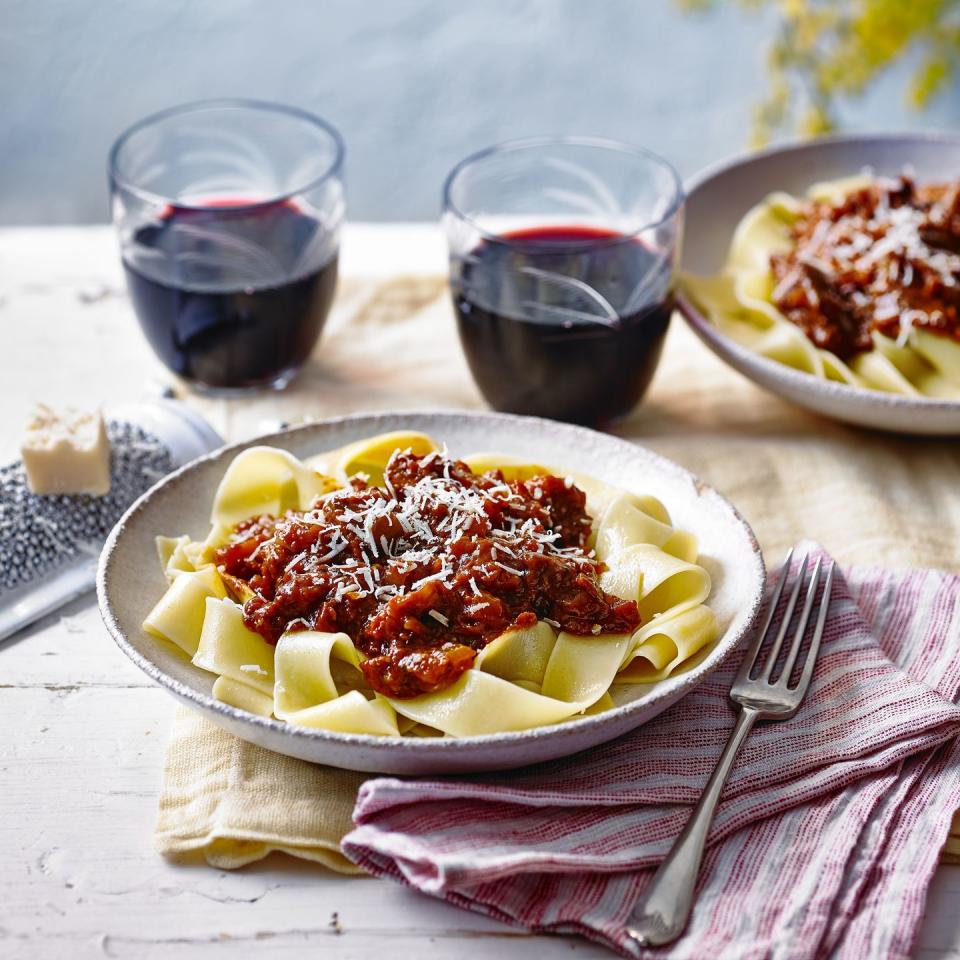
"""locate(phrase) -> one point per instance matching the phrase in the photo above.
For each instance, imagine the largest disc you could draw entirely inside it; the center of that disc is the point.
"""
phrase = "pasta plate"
(130, 582)
(719, 201)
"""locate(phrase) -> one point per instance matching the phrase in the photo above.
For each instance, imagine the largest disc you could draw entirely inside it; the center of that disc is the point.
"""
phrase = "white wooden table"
(84, 732)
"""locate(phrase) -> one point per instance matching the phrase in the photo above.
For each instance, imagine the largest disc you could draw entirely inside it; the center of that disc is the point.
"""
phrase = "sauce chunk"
(886, 258)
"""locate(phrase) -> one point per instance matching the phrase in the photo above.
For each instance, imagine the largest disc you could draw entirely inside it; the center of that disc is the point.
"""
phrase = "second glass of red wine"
(562, 254)
(229, 216)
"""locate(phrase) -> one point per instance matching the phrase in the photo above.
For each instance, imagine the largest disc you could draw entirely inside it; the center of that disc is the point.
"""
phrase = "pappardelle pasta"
(386, 588)
(857, 283)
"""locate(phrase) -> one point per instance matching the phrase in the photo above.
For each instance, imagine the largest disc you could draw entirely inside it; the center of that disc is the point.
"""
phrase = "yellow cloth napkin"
(868, 497)
(231, 803)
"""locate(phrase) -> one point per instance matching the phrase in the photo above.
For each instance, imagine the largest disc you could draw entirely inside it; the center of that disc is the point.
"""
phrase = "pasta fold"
(305, 665)
(626, 522)
(369, 457)
(658, 581)
(229, 649)
(265, 480)
(179, 614)
(658, 648)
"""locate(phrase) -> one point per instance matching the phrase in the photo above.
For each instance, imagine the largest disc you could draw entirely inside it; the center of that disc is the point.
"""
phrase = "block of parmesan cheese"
(66, 451)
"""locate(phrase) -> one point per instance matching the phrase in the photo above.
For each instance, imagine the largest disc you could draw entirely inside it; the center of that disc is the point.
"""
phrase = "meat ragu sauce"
(424, 572)
(885, 258)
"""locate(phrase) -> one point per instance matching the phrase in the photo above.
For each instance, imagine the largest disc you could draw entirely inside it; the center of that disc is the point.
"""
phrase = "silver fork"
(661, 914)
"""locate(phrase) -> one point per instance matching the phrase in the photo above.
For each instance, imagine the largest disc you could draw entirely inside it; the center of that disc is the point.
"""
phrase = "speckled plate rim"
(711, 170)
(685, 682)
(800, 379)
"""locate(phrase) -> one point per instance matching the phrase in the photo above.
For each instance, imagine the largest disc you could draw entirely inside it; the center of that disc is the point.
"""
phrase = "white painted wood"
(80, 768)
(83, 732)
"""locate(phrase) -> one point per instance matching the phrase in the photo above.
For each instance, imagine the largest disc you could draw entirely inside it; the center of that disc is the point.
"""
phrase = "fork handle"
(662, 913)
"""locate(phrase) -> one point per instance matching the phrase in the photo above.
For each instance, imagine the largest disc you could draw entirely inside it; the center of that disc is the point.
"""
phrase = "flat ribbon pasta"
(526, 677)
(512, 468)
(265, 480)
(667, 642)
(600, 495)
(520, 656)
(350, 713)
(739, 302)
(173, 555)
(305, 664)
(943, 355)
(658, 581)
(317, 680)
(244, 696)
(509, 690)
(626, 522)
(581, 669)
(229, 649)
(179, 615)
(369, 457)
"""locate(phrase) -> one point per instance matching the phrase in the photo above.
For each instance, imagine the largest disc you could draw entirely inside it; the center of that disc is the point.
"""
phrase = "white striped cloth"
(826, 836)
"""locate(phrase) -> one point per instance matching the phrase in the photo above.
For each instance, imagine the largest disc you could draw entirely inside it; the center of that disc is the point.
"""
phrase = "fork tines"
(752, 672)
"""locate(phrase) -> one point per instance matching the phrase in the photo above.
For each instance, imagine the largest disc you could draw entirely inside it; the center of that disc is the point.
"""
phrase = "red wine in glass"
(232, 293)
(565, 322)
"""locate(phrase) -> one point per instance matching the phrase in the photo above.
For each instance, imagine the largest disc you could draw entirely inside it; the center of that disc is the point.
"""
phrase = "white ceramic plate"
(130, 581)
(718, 198)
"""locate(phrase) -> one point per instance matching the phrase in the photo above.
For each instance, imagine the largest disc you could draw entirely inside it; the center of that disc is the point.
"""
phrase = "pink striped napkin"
(826, 836)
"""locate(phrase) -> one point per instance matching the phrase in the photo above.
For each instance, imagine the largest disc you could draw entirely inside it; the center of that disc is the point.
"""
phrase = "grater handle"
(25, 605)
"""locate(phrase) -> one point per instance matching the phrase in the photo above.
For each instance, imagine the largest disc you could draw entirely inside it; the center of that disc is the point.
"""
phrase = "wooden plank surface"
(84, 731)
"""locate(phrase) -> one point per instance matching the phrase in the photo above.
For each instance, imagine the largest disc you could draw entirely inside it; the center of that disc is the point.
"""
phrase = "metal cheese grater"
(49, 545)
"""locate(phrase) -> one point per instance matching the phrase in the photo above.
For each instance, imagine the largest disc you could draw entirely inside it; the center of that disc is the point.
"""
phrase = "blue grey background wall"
(414, 85)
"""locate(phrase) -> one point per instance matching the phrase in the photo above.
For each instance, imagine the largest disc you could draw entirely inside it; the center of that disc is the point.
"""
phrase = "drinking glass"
(562, 255)
(229, 216)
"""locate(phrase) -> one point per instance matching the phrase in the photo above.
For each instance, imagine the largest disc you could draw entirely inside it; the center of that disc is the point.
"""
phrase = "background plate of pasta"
(430, 592)
(829, 273)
